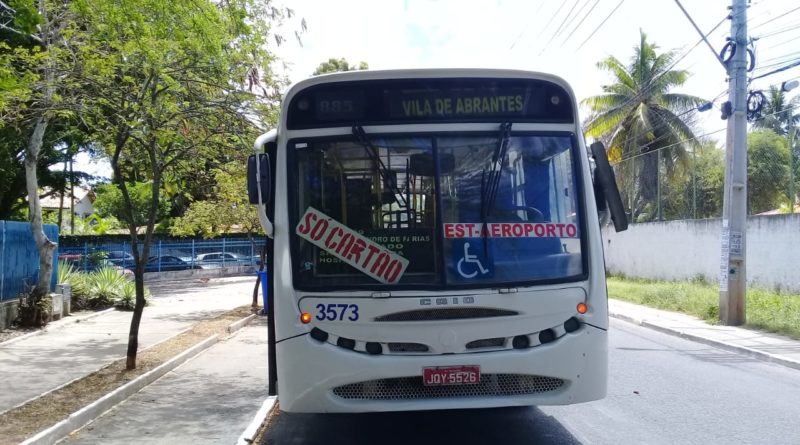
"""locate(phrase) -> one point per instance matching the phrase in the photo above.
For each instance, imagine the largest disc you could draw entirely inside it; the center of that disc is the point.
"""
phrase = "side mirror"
(259, 177)
(605, 186)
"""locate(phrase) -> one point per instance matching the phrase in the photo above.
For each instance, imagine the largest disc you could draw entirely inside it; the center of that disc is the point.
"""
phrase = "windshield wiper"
(490, 181)
(388, 179)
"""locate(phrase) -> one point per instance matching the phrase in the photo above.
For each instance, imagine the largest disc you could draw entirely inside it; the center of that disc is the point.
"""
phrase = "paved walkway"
(69, 350)
(208, 400)
(761, 345)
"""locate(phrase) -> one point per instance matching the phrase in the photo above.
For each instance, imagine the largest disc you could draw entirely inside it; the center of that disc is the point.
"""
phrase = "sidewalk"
(761, 345)
(208, 400)
(64, 352)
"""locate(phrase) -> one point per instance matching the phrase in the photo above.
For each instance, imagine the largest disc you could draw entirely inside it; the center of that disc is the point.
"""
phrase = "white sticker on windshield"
(351, 247)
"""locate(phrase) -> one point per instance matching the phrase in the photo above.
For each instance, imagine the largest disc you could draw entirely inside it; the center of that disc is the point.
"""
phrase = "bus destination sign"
(458, 104)
(429, 100)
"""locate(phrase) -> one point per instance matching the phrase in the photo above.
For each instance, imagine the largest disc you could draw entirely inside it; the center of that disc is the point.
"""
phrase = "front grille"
(410, 388)
(407, 347)
(498, 342)
(446, 314)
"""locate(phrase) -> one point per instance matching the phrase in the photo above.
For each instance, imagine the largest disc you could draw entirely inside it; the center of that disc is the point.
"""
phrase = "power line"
(780, 59)
(779, 31)
(697, 28)
(662, 125)
(560, 28)
(578, 13)
(553, 17)
(669, 146)
(579, 23)
(774, 18)
(527, 25)
(792, 65)
(700, 136)
(651, 85)
(601, 24)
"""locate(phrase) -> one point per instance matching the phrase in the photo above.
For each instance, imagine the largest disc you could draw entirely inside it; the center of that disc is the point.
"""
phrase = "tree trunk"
(649, 183)
(43, 244)
(138, 310)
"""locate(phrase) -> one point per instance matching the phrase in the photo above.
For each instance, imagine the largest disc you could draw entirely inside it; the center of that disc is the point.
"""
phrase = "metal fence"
(664, 186)
(19, 258)
(165, 255)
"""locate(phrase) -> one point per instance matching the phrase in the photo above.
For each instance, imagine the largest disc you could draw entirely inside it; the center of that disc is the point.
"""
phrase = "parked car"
(166, 263)
(220, 259)
(120, 258)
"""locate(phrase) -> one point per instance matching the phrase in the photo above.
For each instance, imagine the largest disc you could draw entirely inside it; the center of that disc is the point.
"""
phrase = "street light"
(789, 85)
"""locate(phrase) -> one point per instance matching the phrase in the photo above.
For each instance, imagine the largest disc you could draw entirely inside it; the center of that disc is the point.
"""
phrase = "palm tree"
(779, 115)
(643, 123)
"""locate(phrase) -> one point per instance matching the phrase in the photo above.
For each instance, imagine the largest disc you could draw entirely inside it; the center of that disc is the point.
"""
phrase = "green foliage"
(229, 207)
(769, 310)
(779, 113)
(78, 283)
(100, 289)
(104, 287)
(110, 203)
(334, 65)
(767, 171)
(638, 116)
(126, 296)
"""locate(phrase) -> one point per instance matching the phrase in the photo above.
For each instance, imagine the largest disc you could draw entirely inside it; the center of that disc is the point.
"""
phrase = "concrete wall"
(678, 250)
(200, 273)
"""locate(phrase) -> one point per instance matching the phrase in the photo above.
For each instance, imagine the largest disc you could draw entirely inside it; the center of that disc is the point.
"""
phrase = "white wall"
(686, 249)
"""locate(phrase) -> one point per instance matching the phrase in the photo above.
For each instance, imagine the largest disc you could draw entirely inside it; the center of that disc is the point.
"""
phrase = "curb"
(236, 325)
(744, 350)
(261, 416)
(67, 322)
(85, 415)
(63, 385)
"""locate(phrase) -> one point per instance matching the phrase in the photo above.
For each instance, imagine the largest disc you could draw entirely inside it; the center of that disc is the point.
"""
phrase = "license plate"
(451, 375)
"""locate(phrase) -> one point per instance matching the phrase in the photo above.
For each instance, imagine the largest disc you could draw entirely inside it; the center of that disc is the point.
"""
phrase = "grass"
(768, 310)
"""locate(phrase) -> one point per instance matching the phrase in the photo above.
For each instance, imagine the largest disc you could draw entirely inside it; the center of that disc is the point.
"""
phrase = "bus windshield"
(444, 210)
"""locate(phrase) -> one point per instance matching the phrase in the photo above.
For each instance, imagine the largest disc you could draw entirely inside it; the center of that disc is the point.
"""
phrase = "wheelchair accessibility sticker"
(470, 263)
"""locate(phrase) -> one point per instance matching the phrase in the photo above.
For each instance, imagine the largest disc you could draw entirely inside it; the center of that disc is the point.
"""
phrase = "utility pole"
(733, 277)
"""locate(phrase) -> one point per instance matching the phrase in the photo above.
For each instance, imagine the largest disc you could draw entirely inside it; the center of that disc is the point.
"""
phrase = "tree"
(644, 123)
(228, 208)
(334, 65)
(767, 171)
(167, 93)
(36, 66)
(778, 113)
(110, 202)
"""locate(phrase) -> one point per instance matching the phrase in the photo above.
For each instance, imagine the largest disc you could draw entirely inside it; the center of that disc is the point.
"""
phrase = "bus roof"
(428, 96)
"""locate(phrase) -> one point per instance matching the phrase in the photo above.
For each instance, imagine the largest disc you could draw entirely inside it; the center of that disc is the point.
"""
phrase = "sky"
(538, 35)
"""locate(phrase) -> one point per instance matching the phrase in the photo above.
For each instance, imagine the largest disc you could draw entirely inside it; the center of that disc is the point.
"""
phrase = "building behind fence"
(19, 258)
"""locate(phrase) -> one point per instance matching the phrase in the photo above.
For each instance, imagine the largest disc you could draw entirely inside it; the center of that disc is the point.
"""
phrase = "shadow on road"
(497, 426)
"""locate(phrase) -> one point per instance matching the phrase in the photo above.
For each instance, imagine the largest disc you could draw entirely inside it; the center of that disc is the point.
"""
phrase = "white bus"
(434, 243)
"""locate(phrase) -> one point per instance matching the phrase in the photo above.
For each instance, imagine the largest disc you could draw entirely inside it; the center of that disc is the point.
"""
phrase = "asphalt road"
(662, 390)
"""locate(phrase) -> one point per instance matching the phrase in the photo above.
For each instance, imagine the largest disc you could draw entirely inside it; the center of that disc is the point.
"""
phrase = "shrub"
(105, 285)
(127, 297)
(78, 282)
